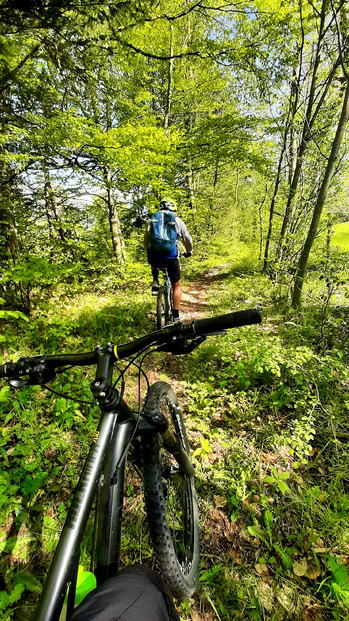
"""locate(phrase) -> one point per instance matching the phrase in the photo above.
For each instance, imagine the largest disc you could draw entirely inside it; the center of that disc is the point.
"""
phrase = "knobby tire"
(170, 499)
(168, 304)
(160, 307)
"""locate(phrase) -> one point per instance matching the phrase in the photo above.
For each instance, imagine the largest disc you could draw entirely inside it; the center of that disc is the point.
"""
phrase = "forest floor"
(262, 405)
(195, 304)
(195, 296)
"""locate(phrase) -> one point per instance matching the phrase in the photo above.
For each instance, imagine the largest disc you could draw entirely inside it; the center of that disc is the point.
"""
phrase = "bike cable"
(59, 394)
(146, 351)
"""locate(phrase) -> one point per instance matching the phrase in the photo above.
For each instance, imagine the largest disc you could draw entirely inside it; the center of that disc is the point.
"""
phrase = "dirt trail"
(195, 295)
(194, 305)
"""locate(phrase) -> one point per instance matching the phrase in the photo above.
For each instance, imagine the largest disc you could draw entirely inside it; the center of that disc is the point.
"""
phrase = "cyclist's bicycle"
(166, 469)
(164, 301)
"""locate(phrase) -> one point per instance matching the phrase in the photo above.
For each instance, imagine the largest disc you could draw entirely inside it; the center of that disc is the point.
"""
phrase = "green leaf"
(256, 532)
(269, 479)
(29, 581)
(283, 487)
(16, 593)
(285, 558)
(5, 394)
(4, 600)
(268, 519)
(284, 476)
(274, 471)
(339, 571)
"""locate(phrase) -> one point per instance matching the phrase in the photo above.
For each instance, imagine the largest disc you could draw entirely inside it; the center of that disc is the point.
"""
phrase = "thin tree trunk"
(114, 223)
(272, 205)
(306, 135)
(51, 205)
(322, 195)
(55, 213)
(169, 82)
(211, 200)
(51, 230)
(260, 207)
(8, 231)
(293, 102)
(294, 96)
(190, 188)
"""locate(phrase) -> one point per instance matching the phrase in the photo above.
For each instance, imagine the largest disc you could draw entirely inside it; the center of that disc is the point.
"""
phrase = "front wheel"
(170, 499)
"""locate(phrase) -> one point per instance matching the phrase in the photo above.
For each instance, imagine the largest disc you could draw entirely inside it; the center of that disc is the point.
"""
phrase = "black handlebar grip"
(225, 322)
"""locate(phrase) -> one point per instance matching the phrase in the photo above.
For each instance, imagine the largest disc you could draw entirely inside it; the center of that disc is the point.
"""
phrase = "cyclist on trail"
(161, 244)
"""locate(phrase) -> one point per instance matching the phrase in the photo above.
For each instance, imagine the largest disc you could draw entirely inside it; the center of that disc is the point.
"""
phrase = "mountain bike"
(164, 301)
(155, 438)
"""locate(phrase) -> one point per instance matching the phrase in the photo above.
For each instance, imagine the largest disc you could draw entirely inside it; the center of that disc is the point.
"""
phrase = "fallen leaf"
(300, 567)
(267, 596)
(286, 598)
(270, 457)
(262, 570)
(212, 458)
(313, 451)
(313, 571)
(312, 613)
(236, 557)
(219, 502)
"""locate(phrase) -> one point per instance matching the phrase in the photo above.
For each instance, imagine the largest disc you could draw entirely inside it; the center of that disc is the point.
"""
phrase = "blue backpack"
(163, 232)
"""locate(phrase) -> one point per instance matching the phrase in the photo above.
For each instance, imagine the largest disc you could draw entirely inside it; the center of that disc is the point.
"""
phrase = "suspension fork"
(109, 508)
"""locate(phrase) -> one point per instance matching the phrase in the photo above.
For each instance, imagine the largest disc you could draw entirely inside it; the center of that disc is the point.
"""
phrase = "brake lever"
(32, 373)
(178, 346)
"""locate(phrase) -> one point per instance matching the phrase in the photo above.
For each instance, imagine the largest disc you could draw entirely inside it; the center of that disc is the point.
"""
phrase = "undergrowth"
(267, 413)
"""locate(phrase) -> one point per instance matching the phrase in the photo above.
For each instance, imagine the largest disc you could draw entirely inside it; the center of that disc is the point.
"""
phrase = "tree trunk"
(169, 83)
(294, 96)
(260, 207)
(322, 195)
(292, 108)
(272, 205)
(114, 223)
(51, 230)
(190, 187)
(8, 231)
(306, 135)
(50, 204)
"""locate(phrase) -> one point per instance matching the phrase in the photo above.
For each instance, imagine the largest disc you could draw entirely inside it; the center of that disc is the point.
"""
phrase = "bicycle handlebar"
(226, 322)
(169, 338)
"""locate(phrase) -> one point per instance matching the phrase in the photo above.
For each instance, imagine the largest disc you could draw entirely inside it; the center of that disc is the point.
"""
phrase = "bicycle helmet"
(168, 204)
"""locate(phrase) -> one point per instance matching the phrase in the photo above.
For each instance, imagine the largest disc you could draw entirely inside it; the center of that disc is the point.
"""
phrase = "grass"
(267, 412)
(341, 236)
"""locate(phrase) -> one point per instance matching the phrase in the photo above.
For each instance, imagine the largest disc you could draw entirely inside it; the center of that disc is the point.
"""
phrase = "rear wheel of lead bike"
(168, 304)
(160, 309)
(170, 499)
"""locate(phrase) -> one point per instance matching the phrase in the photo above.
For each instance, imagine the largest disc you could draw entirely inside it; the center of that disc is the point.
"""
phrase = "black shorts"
(172, 265)
(135, 594)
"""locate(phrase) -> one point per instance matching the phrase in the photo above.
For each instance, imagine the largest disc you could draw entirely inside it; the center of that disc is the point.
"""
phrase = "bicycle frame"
(103, 472)
(118, 424)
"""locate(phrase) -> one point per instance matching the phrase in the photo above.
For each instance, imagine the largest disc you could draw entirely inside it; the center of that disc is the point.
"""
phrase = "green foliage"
(33, 279)
(341, 236)
(278, 479)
